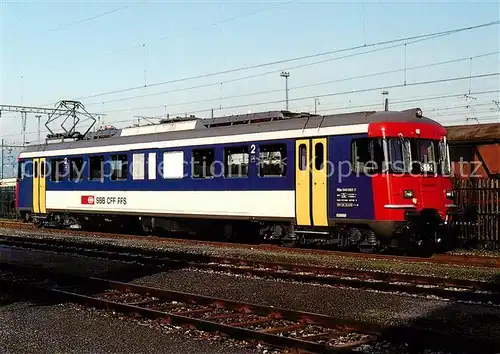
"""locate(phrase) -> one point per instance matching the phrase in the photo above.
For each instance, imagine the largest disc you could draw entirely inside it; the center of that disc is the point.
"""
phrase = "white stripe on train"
(284, 134)
(277, 203)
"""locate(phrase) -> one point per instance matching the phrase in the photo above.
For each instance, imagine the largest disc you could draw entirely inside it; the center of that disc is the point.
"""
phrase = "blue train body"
(338, 150)
(297, 178)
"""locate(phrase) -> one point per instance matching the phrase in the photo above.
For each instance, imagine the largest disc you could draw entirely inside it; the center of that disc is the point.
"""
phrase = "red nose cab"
(417, 173)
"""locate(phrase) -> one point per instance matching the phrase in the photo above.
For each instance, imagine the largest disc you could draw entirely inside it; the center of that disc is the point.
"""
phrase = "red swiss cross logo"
(87, 199)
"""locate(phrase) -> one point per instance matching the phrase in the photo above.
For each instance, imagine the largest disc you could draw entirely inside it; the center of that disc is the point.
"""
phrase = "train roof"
(7, 182)
(193, 127)
(486, 132)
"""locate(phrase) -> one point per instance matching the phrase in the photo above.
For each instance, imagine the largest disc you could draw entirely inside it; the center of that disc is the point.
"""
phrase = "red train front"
(413, 196)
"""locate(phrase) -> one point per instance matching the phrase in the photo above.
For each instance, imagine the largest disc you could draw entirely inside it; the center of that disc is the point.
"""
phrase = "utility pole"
(22, 90)
(1, 171)
(468, 100)
(316, 103)
(38, 127)
(386, 100)
(23, 122)
(1, 148)
(286, 74)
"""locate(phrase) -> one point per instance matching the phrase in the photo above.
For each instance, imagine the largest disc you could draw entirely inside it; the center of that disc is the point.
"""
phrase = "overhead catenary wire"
(245, 105)
(412, 100)
(402, 102)
(378, 88)
(304, 57)
(421, 98)
(296, 87)
(491, 117)
(184, 32)
(91, 18)
(484, 119)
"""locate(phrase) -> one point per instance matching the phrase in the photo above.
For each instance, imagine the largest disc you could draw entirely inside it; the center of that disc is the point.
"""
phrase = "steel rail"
(412, 335)
(458, 289)
(451, 259)
(330, 328)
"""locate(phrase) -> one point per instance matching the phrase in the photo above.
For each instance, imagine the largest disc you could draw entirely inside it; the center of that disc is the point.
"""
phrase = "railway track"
(289, 330)
(456, 289)
(450, 259)
(275, 327)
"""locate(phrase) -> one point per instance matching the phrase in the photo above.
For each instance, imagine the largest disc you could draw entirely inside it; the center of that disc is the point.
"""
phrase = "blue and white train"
(292, 177)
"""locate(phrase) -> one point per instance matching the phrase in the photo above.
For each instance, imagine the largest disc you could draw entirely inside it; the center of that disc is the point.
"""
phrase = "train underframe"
(424, 232)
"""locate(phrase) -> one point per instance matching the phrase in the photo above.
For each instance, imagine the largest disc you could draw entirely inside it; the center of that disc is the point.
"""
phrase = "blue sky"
(72, 50)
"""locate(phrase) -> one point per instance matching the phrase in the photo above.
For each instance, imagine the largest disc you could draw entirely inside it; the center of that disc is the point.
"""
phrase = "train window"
(360, 153)
(42, 169)
(96, 167)
(173, 164)
(202, 163)
(35, 170)
(272, 160)
(76, 169)
(236, 161)
(138, 172)
(367, 155)
(56, 170)
(319, 156)
(152, 165)
(20, 170)
(302, 158)
(119, 167)
(424, 153)
(397, 160)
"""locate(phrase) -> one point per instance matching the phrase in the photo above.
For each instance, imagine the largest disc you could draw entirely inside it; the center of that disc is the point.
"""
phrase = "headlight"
(450, 194)
(408, 193)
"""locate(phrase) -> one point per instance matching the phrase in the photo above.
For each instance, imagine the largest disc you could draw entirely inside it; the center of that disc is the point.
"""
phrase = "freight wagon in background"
(7, 198)
(475, 159)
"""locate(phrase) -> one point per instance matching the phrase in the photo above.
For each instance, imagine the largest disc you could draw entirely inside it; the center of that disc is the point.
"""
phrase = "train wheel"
(288, 243)
(26, 217)
(367, 249)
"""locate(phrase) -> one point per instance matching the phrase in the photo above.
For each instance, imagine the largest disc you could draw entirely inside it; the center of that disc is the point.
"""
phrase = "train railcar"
(475, 150)
(366, 179)
(7, 197)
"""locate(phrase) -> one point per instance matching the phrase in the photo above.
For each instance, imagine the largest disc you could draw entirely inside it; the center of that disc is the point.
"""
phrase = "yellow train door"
(39, 186)
(319, 182)
(36, 186)
(311, 202)
(43, 186)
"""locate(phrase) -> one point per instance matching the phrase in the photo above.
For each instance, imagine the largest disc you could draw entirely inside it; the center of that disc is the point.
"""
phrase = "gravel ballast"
(63, 328)
(28, 328)
(351, 304)
(438, 270)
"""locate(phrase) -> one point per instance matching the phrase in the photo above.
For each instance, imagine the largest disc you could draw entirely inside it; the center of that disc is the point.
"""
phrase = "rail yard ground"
(29, 327)
(71, 328)
(249, 252)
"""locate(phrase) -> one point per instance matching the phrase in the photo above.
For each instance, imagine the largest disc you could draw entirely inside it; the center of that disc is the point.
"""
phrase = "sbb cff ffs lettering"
(91, 200)
(100, 200)
(116, 200)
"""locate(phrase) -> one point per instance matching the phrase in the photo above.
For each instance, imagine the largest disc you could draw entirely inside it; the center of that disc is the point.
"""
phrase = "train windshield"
(418, 156)
(445, 157)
